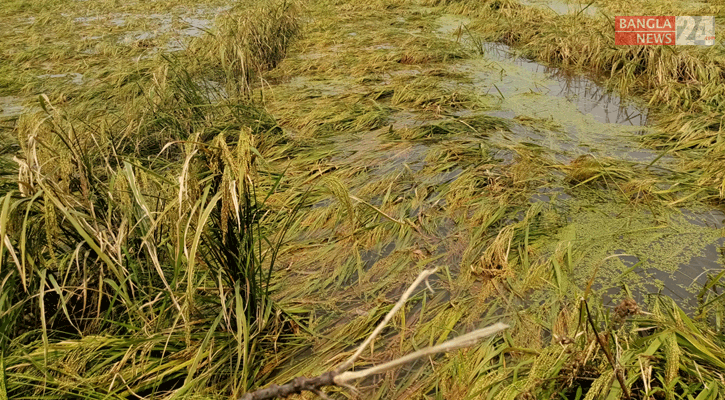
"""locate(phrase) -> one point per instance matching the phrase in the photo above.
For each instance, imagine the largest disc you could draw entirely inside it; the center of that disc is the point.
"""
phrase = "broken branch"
(342, 378)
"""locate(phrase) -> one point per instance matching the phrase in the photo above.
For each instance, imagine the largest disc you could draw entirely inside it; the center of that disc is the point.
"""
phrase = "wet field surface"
(599, 123)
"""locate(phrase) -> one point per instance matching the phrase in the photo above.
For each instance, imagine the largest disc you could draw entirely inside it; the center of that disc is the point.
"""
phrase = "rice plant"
(246, 44)
(138, 248)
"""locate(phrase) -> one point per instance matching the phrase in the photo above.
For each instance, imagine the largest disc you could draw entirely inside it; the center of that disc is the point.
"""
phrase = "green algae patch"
(628, 251)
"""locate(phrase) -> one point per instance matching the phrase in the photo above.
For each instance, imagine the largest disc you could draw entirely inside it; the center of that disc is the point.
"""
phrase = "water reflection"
(589, 97)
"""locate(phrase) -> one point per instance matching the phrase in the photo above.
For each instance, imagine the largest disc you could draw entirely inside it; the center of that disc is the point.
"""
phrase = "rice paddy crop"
(200, 200)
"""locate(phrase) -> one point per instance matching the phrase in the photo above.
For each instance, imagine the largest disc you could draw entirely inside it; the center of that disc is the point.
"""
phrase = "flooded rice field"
(250, 187)
(626, 249)
(564, 8)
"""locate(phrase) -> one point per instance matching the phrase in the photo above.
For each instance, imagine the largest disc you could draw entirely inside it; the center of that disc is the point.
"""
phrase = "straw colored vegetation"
(246, 209)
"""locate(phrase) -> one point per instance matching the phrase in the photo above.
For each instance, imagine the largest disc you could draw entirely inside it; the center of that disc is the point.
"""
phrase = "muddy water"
(587, 119)
(588, 98)
(194, 22)
(670, 252)
(368, 149)
(74, 77)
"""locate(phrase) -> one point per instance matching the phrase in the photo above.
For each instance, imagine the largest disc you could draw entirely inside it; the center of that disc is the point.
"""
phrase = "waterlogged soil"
(423, 147)
(412, 157)
(186, 22)
(10, 106)
(54, 50)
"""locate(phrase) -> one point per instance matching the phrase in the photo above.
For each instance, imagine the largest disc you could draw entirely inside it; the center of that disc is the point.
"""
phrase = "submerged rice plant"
(152, 253)
(684, 84)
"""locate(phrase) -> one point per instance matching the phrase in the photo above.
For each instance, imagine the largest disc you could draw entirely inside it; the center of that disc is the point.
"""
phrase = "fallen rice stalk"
(615, 366)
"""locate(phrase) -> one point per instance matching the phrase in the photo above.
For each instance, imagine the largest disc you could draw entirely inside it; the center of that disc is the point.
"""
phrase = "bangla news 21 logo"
(664, 30)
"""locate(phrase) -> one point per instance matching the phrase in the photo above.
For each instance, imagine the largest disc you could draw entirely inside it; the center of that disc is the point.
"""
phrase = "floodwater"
(193, 23)
(10, 107)
(368, 148)
(75, 77)
(588, 119)
(563, 8)
(673, 258)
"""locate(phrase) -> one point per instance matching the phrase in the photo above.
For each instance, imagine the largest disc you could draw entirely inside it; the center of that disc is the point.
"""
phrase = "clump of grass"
(375, 6)
(245, 44)
(475, 42)
(108, 226)
(665, 353)
(140, 241)
(587, 168)
(696, 137)
(421, 57)
(346, 113)
(634, 183)
(640, 190)
(468, 7)
(538, 124)
(189, 106)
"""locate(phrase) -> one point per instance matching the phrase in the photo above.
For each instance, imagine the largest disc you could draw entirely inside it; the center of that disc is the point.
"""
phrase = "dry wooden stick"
(342, 378)
(423, 276)
(462, 341)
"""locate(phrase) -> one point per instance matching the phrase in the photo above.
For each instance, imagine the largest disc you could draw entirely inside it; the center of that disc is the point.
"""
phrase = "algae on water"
(652, 253)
